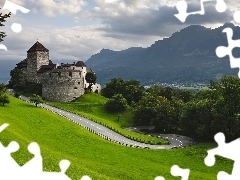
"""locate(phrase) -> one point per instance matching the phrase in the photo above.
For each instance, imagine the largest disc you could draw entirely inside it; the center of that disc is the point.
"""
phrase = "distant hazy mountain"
(5, 68)
(186, 56)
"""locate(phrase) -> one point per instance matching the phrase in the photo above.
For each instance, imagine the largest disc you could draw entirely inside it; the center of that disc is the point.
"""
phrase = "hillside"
(186, 56)
(89, 154)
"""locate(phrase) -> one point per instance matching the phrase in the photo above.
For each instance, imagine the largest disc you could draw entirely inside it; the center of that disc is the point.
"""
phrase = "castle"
(64, 82)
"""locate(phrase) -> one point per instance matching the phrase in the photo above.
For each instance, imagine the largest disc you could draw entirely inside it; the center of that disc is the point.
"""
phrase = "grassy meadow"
(92, 106)
(90, 155)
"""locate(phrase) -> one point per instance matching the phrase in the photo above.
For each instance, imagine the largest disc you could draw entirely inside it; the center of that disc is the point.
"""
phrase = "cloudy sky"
(76, 29)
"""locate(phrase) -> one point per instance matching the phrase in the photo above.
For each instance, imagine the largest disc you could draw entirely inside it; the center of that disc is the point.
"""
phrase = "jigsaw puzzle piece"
(2, 46)
(12, 7)
(8, 164)
(182, 11)
(222, 51)
(177, 171)
(226, 150)
(35, 165)
(88, 178)
(64, 165)
(157, 178)
(221, 6)
(5, 125)
(225, 176)
(236, 16)
(182, 7)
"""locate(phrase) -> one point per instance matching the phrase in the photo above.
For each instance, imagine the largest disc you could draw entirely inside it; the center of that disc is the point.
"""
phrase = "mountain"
(187, 56)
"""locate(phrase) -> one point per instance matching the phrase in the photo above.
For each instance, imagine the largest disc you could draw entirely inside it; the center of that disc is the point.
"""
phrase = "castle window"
(59, 73)
(75, 87)
(70, 73)
(78, 82)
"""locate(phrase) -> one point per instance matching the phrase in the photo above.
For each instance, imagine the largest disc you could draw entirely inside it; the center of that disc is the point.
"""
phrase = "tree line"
(199, 115)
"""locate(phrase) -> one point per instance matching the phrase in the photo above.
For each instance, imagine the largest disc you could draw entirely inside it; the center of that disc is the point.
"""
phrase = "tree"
(197, 119)
(227, 94)
(115, 86)
(170, 93)
(131, 90)
(3, 18)
(4, 99)
(154, 110)
(116, 103)
(3, 88)
(36, 99)
(91, 78)
(15, 77)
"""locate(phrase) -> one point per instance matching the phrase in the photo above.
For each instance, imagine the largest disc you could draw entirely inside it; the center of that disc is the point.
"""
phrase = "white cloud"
(58, 7)
(76, 43)
(120, 24)
(18, 2)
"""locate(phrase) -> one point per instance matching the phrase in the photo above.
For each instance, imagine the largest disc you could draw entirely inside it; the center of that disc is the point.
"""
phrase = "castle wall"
(34, 62)
(62, 87)
(23, 76)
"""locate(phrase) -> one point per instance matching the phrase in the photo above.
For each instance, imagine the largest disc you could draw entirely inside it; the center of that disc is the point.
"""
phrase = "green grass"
(89, 154)
(91, 106)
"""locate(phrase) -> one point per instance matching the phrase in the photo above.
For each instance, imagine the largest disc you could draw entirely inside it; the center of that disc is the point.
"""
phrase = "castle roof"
(67, 65)
(37, 47)
(80, 64)
(64, 70)
(90, 70)
(45, 68)
(22, 64)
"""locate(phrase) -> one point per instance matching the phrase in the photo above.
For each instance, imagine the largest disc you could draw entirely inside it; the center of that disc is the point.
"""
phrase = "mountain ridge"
(186, 56)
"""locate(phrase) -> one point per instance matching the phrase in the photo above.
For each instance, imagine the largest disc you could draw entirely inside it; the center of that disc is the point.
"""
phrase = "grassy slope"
(92, 106)
(91, 155)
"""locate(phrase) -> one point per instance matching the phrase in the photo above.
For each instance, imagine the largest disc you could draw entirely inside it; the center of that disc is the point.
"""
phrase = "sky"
(77, 29)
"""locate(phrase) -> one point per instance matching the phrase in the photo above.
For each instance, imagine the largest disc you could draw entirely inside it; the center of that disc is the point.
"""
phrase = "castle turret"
(37, 56)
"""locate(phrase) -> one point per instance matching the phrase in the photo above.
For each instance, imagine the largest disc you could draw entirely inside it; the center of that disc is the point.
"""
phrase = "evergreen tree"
(3, 18)
(91, 78)
(36, 99)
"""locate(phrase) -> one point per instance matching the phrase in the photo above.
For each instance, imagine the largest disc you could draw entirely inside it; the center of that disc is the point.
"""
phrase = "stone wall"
(34, 62)
(63, 87)
(23, 76)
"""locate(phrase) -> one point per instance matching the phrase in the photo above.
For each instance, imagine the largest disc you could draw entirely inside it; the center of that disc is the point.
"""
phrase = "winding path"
(175, 140)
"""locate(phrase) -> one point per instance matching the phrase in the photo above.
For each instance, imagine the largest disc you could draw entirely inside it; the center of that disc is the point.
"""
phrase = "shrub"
(16, 95)
(116, 103)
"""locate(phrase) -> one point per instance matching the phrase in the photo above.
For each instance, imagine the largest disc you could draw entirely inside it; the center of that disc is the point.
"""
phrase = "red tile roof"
(37, 47)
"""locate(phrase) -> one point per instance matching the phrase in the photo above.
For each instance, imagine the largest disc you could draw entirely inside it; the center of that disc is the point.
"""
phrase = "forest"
(198, 115)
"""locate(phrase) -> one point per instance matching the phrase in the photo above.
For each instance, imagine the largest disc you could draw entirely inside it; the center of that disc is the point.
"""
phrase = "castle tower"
(37, 56)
